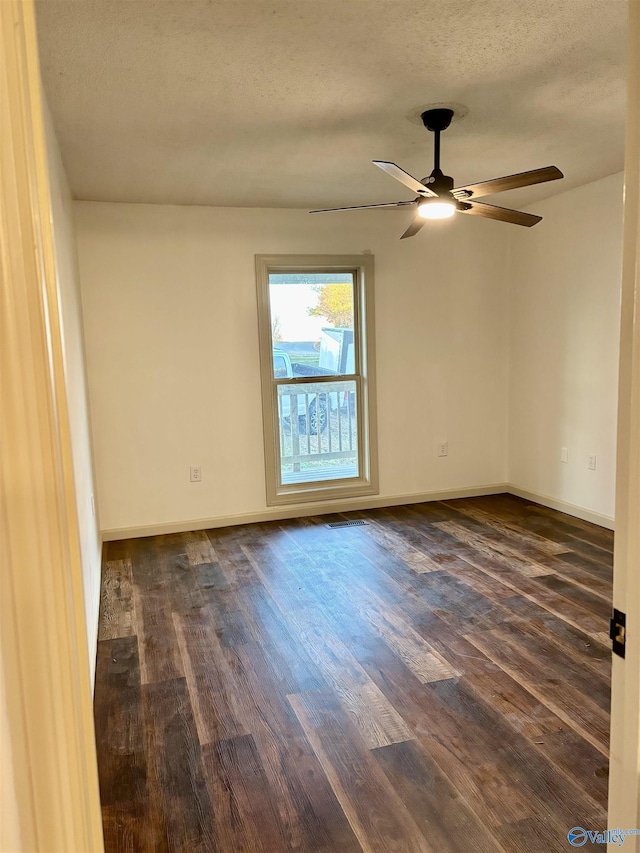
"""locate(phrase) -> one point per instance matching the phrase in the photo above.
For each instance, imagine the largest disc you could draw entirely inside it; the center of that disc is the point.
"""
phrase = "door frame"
(624, 777)
(50, 795)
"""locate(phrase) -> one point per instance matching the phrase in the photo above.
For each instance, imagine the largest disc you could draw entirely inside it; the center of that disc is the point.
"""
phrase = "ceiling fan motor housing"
(438, 182)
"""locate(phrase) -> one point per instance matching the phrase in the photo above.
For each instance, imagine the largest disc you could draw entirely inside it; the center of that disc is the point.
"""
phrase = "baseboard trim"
(298, 511)
(562, 506)
(370, 502)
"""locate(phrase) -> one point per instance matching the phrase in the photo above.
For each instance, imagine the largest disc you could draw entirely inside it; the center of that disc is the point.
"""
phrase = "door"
(624, 780)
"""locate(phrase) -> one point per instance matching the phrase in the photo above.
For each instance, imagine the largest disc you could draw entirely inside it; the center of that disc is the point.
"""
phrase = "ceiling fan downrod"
(436, 121)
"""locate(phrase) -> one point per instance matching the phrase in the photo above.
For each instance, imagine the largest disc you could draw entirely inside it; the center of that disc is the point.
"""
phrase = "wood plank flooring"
(434, 680)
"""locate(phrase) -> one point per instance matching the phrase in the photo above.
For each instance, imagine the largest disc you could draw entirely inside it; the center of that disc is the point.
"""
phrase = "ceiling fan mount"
(439, 198)
(437, 120)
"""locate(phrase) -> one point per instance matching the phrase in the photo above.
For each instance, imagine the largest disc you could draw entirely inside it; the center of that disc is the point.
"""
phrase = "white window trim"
(367, 483)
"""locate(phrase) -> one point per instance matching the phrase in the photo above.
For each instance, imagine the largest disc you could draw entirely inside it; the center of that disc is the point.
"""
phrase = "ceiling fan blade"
(511, 182)
(490, 211)
(365, 206)
(404, 177)
(415, 226)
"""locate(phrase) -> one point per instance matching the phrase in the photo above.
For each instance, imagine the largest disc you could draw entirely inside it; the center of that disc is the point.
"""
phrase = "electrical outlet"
(564, 454)
(443, 448)
(196, 474)
(593, 461)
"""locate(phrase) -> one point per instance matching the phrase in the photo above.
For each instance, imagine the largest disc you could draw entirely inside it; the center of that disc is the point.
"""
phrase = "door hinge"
(618, 631)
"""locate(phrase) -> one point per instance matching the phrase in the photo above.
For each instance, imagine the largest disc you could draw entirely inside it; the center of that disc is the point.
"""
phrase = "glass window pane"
(318, 431)
(312, 324)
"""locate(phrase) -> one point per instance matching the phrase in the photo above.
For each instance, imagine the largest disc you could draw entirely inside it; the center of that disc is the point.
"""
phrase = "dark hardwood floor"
(435, 680)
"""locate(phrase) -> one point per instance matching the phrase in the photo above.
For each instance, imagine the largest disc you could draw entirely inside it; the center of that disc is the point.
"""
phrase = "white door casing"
(624, 779)
(49, 795)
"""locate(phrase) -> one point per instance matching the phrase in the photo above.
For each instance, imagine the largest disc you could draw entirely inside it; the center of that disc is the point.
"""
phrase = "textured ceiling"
(285, 103)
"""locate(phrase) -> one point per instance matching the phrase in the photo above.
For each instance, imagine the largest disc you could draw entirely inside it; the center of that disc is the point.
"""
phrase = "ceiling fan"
(438, 198)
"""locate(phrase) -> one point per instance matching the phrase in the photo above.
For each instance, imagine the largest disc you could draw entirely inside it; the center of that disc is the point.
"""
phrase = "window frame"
(362, 268)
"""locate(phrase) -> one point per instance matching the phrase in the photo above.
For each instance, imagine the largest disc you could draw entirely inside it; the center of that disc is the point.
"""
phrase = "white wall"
(75, 382)
(565, 279)
(172, 350)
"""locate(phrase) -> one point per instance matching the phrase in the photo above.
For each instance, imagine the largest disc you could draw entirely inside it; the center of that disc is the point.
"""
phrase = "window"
(315, 318)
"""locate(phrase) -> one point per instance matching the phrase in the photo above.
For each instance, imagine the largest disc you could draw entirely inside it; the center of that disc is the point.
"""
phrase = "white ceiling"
(284, 103)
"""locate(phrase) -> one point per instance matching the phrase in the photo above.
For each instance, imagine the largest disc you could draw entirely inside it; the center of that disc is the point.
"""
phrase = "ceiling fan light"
(435, 208)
